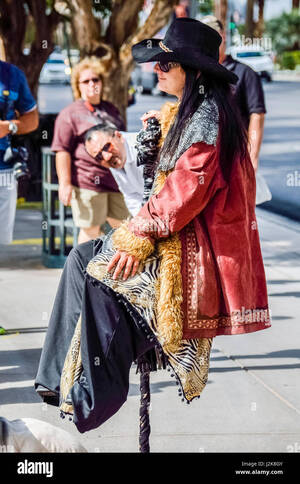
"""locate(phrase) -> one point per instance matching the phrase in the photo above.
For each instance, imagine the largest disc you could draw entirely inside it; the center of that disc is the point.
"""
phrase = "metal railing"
(58, 231)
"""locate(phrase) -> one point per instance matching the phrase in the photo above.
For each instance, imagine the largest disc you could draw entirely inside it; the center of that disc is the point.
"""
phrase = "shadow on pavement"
(291, 353)
(273, 133)
(255, 367)
(282, 258)
(281, 318)
(27, 394)
(283, 281)
(134, 389)
(21, 257)
(19, 365)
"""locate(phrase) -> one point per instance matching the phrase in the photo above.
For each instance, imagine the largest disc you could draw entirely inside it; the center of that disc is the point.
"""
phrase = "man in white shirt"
(116, 150)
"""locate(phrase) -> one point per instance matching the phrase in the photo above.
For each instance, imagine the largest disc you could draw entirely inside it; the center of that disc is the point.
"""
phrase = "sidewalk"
(286, 75)
(251, 401)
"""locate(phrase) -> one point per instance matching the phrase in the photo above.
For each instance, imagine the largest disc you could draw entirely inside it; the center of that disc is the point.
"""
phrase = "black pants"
(113, 335)
(64, 317)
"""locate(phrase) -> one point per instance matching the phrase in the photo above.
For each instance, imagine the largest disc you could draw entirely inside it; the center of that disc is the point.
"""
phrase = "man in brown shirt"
(83, 182)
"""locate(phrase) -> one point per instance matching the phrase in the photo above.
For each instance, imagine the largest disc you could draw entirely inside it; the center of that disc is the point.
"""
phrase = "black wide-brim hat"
(189, 42)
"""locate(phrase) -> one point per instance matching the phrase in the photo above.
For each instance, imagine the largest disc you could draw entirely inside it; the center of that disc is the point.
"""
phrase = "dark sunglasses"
(166, 66)
(106, 147)
(94, 79)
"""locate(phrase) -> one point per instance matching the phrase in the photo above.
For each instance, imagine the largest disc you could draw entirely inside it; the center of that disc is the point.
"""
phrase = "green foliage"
(285, 31)
(241, 29)
(205, 7)
(289, 60)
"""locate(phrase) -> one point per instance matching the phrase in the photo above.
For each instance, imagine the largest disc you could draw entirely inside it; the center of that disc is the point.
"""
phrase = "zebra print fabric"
(191, 362)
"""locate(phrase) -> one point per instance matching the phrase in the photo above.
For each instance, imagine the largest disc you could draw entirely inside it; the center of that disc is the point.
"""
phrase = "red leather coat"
(223, 278)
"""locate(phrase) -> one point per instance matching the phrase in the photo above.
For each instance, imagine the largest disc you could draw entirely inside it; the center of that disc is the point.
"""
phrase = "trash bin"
(58, 231)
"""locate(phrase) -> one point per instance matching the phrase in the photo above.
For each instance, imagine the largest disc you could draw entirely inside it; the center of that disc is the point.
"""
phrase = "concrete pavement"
(251, 401)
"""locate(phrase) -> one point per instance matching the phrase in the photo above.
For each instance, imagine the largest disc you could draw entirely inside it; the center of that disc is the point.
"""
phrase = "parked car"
(255, 57)
(55, 70)
(74, 56)
(145, 79)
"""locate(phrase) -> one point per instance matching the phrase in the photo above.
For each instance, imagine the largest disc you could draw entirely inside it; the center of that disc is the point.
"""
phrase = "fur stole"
(169, 287)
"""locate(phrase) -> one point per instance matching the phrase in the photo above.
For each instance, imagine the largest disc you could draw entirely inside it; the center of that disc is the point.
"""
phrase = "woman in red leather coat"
(207, 197)
(188, 267)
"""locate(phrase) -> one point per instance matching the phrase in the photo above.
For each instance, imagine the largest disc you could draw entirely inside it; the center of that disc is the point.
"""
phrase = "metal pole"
(144, 412)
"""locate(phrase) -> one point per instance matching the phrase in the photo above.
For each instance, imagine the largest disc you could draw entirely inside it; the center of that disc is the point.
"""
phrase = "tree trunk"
(260, 26)
(249, 30)
(86, 27)
(296, 4)
(13, 28)
(220, 11)
(223, 13)
(114, 48)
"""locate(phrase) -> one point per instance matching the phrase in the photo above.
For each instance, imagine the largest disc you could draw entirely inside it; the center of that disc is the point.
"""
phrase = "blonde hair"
(86, 63)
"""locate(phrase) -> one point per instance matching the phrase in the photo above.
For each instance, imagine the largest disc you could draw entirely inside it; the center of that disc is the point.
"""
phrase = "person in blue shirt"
(18, 115)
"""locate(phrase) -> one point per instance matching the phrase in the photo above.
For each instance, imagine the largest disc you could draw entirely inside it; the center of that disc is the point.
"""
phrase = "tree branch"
(85, 25)
(157, 19)
(45, 23)
(123, 21)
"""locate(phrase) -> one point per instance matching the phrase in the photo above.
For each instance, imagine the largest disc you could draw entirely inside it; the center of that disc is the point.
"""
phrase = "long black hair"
(233, 135)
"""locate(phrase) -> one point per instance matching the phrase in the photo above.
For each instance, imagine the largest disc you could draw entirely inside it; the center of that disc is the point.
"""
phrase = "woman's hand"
(150, 114)
(123, 260)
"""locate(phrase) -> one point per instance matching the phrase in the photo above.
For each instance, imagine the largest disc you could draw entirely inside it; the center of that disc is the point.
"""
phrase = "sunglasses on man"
(167, 66)
(107, 147)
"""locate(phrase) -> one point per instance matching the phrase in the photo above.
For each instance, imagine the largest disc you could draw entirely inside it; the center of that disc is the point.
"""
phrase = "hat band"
(164, 47)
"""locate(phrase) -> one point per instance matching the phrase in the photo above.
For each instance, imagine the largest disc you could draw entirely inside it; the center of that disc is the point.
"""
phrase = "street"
(251, 401)
(280, 153)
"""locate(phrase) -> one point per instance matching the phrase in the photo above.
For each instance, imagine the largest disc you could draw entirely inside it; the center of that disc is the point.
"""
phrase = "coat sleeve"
(186, 192)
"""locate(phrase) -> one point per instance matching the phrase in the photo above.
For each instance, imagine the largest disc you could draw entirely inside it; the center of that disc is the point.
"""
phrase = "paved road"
(250, 404)
(53, 98)
(280, 154)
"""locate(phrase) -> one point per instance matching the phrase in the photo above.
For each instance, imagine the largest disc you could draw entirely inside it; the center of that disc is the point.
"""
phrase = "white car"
(55, 70)
(74, 56)
(255, 57)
